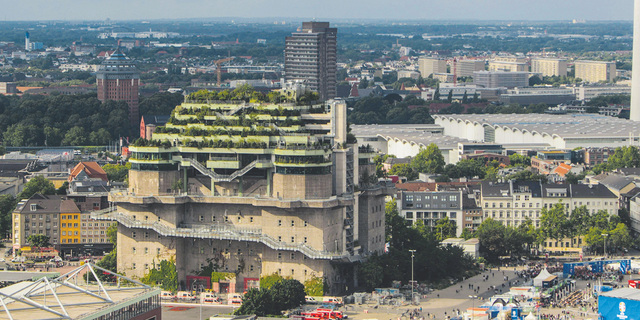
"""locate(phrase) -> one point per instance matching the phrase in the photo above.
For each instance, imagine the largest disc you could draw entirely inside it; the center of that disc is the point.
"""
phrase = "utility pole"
(412, 255)
(604, 235)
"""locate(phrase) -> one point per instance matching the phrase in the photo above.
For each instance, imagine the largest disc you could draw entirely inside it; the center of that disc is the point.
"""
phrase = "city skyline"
(589, 10)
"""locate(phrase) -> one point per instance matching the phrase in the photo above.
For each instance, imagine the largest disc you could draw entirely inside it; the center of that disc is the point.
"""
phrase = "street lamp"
(412, 255)
(473, 305)
(604, 235)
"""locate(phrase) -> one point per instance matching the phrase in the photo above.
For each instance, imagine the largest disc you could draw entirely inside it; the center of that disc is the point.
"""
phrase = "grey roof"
(584, 125)
(591, 191)
(624, 293)
(542, 190)
(616, 182)
(47, 204)
(157, 120)
(630, 171)
(416, 133)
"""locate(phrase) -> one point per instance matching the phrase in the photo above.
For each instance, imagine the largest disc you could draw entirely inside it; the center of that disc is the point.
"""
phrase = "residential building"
(466, 68)
(274, 200)
(514, 202)
(595, 156)
(40, 215)
(310, 55)
(595, 71)
(428, 66)
(118, 79)
(508, 66)
(496, 79)
(547, 67)
(431, 202)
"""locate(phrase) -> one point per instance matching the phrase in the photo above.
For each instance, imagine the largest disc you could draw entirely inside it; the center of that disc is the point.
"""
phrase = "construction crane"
(218, 64)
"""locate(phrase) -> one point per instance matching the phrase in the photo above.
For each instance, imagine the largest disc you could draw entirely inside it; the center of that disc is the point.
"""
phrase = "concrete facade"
(288, 205)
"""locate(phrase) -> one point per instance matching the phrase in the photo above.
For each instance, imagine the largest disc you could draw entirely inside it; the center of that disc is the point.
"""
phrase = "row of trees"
(498, 240)
(35, 120)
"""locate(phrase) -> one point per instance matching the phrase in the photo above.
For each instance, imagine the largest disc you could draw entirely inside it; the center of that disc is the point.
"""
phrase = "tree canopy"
(283, 294)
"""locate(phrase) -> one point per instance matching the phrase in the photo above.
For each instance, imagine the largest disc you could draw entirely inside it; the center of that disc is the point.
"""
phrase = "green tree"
(76, 136)
(519, 160)
(445, 229)
(429, 160)
(371, 273)
(117, 172)
(258, 302)
(37, 184)
(403, 170)
(314, 286)
(268, 281)
(288, 294)
(554, 223)
(7, 204)
(491, 237)
(282, 295)
(450, 96)
(38, 240)
(164, 274)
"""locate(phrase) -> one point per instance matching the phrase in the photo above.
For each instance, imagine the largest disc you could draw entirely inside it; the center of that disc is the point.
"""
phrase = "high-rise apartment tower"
(118, 79)
(310, 55)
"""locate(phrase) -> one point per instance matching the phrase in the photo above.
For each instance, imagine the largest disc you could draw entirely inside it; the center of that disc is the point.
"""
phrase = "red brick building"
(119, 79)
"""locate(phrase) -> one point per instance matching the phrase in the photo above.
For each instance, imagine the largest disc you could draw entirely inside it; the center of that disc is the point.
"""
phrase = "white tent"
(544, 275)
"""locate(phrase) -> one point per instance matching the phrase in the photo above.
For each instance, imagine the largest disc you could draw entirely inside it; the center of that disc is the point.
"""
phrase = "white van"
(209, 297)
(184, 295)
(234, 299)
(167, 295)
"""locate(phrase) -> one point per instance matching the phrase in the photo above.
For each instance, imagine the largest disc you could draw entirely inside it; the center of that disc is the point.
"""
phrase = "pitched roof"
(91, 168)
(562, 169)
(630, 171)
(157, 120)
(47, 204)
(591, 191)
(616, 182)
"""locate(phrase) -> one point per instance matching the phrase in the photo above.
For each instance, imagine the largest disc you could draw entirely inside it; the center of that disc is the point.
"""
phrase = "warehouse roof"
(566, 125)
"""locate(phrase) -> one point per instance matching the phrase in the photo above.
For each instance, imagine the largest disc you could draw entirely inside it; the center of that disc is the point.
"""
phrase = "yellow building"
(595, 71)
(549, 67)
(70, 227)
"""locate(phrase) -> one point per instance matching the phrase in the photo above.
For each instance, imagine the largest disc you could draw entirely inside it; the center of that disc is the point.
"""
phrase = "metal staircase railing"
(218, 232)
(220, 177)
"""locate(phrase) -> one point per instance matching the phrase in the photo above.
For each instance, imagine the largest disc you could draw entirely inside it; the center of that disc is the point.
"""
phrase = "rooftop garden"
(246, 93)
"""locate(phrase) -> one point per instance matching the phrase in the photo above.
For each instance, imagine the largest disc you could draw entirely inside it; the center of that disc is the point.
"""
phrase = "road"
(184, 311)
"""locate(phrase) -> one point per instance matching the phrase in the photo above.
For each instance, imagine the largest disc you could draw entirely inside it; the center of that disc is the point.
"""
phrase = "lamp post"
(473, 305)
(412, 255)
(604, 237)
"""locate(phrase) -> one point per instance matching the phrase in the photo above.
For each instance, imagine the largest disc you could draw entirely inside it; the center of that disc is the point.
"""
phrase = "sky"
(38, 10)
